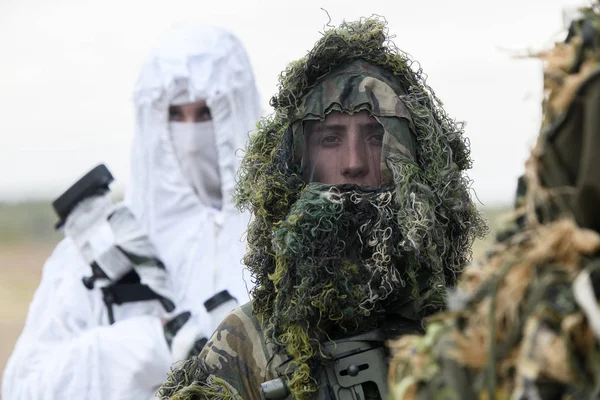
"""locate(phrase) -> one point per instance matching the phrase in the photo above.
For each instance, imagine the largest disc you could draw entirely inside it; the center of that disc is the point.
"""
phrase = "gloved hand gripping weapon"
(124, 262)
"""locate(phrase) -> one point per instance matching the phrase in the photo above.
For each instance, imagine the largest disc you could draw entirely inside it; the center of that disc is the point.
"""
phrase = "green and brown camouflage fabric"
(355, 87)
(232, 365)
(524, 323)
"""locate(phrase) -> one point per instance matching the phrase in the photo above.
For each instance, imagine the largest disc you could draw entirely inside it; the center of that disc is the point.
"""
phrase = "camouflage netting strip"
(189, 381)
(436, 216)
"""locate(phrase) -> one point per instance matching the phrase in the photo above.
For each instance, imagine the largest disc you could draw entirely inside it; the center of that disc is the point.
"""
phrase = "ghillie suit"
(525, 322)
(330, 261)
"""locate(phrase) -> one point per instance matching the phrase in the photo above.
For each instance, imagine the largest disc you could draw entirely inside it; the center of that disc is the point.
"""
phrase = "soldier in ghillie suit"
(363, 218)
(525, 323)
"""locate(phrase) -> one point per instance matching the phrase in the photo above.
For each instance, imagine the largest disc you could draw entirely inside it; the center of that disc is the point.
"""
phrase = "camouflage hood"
(352, 68)
(425, 152)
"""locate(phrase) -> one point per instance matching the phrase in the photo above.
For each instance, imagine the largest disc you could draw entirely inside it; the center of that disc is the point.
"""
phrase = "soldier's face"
(343, 149)
(191, 112)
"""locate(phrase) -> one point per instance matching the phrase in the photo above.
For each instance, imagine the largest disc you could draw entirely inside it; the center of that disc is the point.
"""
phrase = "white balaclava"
(195, 147)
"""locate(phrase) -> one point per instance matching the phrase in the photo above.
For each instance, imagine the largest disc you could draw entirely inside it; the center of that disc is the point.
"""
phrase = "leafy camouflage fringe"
(514, 322)
(189, 381)
(436, 216)
(345, 295)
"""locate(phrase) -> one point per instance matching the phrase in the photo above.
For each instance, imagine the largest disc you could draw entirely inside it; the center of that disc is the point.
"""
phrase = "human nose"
(356, 164)
(189, 118)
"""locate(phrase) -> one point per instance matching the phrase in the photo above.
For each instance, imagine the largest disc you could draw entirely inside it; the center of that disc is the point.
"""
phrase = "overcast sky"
(67, 70)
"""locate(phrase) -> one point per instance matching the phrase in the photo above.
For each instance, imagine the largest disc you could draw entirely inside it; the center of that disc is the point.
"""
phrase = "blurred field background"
(27, 237)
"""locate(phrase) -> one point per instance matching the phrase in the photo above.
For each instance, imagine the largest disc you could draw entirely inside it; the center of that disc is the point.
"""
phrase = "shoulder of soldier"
(238, 353)
(241, 324)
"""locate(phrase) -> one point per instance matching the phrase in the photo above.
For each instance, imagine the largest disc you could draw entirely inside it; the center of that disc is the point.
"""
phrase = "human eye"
(374, 134)
(329, 139)
(376, 139)
(175, 114)
(203, 114)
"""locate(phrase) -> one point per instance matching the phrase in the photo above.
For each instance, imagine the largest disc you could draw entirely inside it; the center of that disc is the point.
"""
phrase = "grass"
(27, 237)
(31, 221)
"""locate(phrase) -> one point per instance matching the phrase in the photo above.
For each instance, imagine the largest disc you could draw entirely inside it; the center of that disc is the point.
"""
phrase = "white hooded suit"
(68, 350)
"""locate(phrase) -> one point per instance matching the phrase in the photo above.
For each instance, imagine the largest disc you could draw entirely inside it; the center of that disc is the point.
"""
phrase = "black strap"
(218, 299)
(129, 293)
(173, 326)
(127, 290)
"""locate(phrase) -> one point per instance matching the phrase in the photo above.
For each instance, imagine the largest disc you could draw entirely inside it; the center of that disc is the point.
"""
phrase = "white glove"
(184, 337)
(113, 243)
